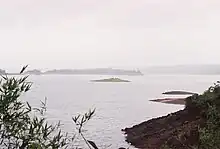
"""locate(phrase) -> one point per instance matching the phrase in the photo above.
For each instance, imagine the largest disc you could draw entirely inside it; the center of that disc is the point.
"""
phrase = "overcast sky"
(108, 33)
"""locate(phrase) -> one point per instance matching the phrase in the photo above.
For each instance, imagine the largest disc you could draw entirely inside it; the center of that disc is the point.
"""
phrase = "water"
(118, 105)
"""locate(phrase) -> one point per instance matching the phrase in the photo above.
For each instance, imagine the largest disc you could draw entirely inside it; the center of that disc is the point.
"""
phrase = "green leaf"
(5, 77)
(92, 144)
(23, 69)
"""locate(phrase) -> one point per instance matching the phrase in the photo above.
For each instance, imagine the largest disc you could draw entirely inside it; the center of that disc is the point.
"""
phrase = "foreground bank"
(195, 127)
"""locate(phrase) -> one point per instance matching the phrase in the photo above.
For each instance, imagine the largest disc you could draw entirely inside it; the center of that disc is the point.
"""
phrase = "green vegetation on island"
(111, 80)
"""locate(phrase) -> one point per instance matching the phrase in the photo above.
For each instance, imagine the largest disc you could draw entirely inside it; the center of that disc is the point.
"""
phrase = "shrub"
(209, 106)
(25, 127)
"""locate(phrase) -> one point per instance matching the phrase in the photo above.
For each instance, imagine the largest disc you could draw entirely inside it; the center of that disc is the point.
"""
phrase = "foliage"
(80, 121)
(25, 127)
(209, 106)
(210, 134)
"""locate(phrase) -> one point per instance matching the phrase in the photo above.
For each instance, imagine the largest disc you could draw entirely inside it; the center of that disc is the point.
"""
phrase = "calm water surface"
(118, 105)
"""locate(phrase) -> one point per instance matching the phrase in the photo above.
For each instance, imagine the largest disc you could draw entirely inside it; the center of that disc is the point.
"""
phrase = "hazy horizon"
(101, 33)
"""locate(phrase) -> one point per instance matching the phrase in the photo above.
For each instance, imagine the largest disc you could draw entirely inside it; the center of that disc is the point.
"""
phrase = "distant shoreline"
(98, 71)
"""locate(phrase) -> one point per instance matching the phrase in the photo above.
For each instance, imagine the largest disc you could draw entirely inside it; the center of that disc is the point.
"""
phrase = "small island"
(179, 93)
(111, 80)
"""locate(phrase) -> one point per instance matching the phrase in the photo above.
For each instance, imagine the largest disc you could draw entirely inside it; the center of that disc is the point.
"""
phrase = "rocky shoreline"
(177, 130)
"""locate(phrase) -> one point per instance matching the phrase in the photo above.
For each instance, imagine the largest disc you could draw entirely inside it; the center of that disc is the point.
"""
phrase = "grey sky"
(108, 33)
